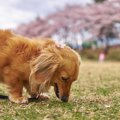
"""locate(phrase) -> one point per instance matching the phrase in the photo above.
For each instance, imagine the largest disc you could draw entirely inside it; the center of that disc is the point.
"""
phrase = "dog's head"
(56, 66)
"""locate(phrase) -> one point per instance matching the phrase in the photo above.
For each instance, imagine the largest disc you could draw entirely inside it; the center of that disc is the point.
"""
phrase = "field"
(95, 96)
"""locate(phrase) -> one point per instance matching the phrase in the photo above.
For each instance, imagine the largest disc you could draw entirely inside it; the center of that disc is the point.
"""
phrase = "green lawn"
(95, 96)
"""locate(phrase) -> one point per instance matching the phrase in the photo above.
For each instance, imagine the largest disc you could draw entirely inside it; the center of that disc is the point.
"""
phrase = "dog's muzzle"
(56, 89)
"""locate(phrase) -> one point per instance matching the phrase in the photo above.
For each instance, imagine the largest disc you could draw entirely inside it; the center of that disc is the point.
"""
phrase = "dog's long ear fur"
(42, 70)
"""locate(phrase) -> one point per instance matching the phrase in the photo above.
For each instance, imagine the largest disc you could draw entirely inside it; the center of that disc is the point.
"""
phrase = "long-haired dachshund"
(36, 65)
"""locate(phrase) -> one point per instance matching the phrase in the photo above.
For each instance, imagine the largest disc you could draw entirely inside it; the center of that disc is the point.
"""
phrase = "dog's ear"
(46, 66)
(43, 68)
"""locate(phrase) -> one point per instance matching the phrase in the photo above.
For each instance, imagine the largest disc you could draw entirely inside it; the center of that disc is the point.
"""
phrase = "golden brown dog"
(36, 65)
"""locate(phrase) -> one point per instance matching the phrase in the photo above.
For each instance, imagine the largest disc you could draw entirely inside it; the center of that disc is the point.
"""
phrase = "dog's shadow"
(5, 97)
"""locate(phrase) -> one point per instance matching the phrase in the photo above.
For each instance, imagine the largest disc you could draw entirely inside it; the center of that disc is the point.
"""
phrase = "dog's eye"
(64, 78)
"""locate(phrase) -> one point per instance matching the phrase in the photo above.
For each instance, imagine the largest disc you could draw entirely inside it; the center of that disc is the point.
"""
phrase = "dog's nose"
(64, 99)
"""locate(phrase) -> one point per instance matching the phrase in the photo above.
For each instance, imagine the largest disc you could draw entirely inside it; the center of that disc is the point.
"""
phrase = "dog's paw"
(18, 100)
(43, 96)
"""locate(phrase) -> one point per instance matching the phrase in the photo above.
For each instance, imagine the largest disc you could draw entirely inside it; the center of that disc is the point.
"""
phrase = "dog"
(36, 65)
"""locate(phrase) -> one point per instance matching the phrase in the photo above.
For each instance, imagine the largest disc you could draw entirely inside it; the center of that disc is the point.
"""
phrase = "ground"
(95, 96)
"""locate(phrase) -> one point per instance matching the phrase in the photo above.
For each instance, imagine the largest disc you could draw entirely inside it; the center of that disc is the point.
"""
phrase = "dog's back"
(4, 36)
(18, 50)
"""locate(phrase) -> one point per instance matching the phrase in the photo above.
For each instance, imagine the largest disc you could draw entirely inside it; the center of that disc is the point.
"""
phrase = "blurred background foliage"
(99, 0)
(91, 27)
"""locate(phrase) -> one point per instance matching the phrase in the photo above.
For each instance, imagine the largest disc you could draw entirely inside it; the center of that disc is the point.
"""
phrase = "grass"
(95, 96)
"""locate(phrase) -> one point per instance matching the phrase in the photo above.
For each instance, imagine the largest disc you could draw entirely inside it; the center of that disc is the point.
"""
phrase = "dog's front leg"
(15, 84)
(15, 94)
(28, 88)
(34, 92)
(44, 96)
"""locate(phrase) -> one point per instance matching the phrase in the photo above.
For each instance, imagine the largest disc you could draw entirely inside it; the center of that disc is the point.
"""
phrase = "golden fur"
(36, 65)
